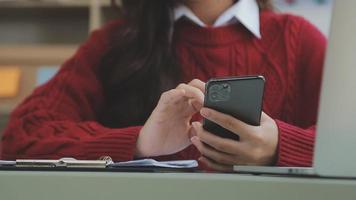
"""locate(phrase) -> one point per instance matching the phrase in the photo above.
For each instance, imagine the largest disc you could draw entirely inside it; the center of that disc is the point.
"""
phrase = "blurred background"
(37, 36)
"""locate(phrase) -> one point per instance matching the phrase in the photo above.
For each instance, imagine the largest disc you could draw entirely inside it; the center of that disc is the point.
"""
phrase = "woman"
(127, 93)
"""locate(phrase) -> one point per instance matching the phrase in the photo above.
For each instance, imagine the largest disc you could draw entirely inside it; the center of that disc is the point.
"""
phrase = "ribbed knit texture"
(59, 118)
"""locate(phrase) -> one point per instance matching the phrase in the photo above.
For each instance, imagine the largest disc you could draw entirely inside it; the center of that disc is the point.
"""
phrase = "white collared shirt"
(244, 11)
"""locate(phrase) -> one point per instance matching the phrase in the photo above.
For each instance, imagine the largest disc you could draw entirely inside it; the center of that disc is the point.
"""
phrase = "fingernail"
(194, 139)
(195, 125)
(204, 112)
(192, 132)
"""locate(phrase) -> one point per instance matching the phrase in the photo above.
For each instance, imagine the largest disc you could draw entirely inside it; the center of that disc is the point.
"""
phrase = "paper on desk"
(178, 164)
(7, 163)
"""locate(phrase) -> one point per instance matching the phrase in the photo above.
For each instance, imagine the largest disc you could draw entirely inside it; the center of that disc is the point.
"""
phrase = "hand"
(167, 130)
(257, 144)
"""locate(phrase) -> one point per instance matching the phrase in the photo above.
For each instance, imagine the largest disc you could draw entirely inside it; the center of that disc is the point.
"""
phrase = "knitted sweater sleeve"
(296, 140)
(59, 118)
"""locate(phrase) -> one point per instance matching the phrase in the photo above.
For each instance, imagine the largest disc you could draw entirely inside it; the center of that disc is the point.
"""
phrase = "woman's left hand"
(257, 144)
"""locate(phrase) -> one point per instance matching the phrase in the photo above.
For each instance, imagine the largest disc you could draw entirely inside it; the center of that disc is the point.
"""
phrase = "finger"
(221, 144)
(198, 84)
(172, 96)
(219, 167)
(192, 132)
(192, 92)
(265, 117)
(228, 122)
(219, 157)
(196, 105)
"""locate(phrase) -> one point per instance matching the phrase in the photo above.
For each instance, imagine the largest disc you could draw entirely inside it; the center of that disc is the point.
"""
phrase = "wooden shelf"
(40, 33)
(35, 54)
(28, 81)
(51, 3)
(29, 59)
(39, 15)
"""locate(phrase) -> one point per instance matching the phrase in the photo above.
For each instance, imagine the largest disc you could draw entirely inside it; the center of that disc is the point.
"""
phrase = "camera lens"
(214, 96)
(219, 92)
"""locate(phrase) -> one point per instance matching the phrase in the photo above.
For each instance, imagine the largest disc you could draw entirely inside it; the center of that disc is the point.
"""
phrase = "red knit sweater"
(59, 118)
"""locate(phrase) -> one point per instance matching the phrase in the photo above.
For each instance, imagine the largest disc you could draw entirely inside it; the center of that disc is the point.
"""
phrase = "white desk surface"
(168, 186)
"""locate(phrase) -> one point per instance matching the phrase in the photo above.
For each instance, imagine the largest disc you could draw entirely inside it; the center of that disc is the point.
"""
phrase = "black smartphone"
(240, 97)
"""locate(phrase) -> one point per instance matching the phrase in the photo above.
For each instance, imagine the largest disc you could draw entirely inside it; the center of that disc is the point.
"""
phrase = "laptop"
(334, 153)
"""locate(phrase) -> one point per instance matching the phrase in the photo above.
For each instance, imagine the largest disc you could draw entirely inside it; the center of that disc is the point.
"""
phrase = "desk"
(167, 186)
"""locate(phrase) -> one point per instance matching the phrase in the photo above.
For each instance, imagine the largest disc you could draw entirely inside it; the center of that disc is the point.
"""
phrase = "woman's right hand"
(167, 130)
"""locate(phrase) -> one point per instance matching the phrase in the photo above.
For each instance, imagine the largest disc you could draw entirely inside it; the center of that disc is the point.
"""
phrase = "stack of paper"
(178, 164)
(7, 163)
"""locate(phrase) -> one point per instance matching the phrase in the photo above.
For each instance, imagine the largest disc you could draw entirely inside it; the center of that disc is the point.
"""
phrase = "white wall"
(318, 14)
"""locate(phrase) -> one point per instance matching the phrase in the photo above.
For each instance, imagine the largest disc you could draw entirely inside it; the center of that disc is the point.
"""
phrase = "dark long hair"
(140, 64)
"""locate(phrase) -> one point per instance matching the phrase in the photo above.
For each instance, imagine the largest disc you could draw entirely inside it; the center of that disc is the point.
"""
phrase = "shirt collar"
(244, 11)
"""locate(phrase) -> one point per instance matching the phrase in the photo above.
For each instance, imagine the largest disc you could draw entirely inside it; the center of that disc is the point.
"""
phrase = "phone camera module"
(219, 92)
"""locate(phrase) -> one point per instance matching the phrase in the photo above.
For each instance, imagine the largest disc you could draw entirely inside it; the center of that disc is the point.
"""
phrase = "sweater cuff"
(295, 145)
(119, 144)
